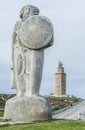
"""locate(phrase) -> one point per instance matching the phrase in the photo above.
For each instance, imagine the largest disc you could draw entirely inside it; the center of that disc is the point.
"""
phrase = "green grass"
(1, 113)
(48, 125)
(3, 120)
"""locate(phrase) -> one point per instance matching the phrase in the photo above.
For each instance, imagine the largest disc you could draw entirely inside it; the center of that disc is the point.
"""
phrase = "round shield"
(36, 32)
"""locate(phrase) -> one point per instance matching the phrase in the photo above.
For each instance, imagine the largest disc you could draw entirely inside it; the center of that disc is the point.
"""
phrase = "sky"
(68, 18)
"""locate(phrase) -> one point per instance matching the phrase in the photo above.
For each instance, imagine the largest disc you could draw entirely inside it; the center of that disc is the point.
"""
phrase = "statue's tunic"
(30, 38)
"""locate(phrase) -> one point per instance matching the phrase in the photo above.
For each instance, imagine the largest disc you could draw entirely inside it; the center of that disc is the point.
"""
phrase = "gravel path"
(74, 113)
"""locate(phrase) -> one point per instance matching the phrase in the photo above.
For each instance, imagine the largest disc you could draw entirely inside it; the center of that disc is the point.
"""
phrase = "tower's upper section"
(60, 68)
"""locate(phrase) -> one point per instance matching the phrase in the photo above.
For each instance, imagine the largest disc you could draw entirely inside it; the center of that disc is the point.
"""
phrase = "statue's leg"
(16, 54)
(35, 73)
(21, 81)
(19, 72)
(27, 53)
(13, 79)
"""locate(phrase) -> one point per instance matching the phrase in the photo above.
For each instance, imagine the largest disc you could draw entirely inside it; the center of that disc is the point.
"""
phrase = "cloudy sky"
(68, 18)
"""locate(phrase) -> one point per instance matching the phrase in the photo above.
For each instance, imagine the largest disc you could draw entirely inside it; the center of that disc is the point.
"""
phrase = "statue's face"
(27, 11)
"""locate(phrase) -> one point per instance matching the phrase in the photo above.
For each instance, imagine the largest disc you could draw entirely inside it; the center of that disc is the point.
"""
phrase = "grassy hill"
(56, 102)
(3, 99)
(62, 102)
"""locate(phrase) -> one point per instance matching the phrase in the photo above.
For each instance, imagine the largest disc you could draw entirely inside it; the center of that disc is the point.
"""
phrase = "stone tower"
(60, 80)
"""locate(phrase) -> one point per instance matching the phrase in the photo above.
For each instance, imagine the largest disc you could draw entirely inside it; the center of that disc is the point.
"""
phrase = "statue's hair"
(32, 9)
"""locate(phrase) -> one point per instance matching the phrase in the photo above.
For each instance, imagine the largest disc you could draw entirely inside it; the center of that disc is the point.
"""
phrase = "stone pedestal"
(27, 109)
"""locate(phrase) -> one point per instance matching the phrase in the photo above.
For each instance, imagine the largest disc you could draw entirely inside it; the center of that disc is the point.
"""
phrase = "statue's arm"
(15, 32)
(14, 42)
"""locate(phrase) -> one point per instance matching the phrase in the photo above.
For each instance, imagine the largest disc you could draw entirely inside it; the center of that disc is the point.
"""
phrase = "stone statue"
(31, 36)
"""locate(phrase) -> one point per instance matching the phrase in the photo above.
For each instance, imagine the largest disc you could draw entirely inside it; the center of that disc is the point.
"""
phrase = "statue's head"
(27, 11)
